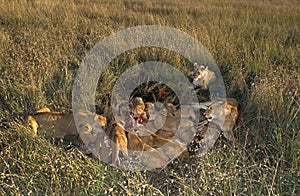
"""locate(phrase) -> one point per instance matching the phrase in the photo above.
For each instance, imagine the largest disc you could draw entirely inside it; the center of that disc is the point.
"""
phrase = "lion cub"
(148, 155)
(137, 110)
(202, 76)
(120, 142)
(177, 120)
(88, 137)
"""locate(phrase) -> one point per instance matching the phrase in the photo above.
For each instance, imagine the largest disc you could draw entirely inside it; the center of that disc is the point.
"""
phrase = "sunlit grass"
(255, 44)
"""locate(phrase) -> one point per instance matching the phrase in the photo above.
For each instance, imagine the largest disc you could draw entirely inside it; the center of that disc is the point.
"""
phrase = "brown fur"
(170, 108)
(95, 141)
(202, 76)
(135, 143)
(149, 156)
(56, 124)
(119, 138)
(163, 140)
(224, 114)
(137, 109)
(137, 106)
(210, 134)
(170, 118)
(102, 147)
(87, 137)
(86, 133)
(155, 140)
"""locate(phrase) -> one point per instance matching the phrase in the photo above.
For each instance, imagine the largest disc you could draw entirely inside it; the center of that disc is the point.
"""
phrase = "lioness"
(130, 142)
(132, 113)
(202, 76)
(209, 133)
(56, 124)
(224, 114)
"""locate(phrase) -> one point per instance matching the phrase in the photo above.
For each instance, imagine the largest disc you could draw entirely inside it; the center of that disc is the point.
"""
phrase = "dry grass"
(255, 44)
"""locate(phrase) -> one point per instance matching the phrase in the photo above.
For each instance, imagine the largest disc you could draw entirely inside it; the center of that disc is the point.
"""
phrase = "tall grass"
(255, 44)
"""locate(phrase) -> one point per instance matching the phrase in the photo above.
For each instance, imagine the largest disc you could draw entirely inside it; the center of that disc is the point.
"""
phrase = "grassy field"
(256, 45)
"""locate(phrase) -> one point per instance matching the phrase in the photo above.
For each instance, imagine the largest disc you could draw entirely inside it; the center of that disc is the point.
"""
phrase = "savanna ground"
(255, 44)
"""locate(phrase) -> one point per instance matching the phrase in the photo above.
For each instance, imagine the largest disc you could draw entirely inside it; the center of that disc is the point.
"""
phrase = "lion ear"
(103, 120)
(131, 105)
(87, 127)
(113, 125)
(228, 106)
(122, 123)
(231, 107)
(232, 102)
(96, 117)
(43, 110)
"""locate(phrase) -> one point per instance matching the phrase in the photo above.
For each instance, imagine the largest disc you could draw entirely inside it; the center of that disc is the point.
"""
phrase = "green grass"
(255, 44)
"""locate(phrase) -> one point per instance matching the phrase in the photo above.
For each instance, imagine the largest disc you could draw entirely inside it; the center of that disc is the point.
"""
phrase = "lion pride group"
(153, 133)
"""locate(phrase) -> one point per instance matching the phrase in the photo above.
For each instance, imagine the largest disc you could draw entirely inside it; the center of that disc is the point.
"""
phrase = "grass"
(255, 44)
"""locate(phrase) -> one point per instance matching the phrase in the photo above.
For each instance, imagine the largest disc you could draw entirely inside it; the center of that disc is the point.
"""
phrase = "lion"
(162, 148)
(165, 140)
(137, 110)
(58, 125)
(95, 142)
(162, 118)
(88, 137)
(202, 76)
(149, 156)
(120, 142)
(173, 119)
(96, 119)
(166, 144)
(209, 133)
(137, 106)
(224, 114)
(86, 133)
(124, 141)
(143, 147)
(184, 111)
(221, 116)
(132, 113)
(154, 139)
(101, 148)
